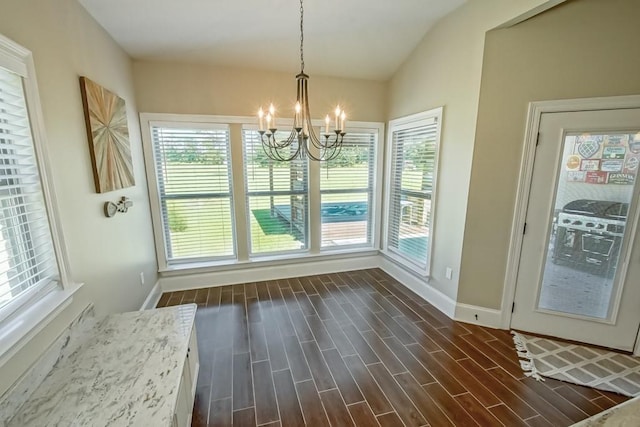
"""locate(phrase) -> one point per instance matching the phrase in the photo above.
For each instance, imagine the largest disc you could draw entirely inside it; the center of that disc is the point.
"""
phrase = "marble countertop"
(127, 373)
(626, 414)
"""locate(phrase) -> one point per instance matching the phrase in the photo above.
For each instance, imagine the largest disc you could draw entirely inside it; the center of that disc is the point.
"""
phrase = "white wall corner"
(152, 299)
(477, 315)
(420, 286)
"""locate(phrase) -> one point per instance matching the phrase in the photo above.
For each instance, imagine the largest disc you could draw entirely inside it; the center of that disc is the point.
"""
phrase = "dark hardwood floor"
(358, 348)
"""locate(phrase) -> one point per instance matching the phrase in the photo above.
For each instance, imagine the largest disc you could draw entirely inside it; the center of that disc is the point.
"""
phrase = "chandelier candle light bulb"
(272, 112)
(302, 140)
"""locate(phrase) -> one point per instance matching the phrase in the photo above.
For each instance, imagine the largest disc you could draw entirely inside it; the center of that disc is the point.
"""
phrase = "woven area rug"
(588, 366)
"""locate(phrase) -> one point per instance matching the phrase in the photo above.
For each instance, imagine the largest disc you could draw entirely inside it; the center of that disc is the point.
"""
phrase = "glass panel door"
(595, 189)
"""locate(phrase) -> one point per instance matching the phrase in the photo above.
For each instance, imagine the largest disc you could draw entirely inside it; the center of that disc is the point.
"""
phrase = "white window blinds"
(346, 189)
(412, 182)
(194, 185)
(27, 257)
(276, 197)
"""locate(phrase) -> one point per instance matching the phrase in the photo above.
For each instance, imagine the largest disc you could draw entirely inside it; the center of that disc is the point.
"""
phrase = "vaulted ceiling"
(343, 38)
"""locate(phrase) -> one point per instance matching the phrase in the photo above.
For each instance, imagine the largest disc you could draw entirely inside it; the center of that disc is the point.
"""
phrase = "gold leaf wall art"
(108, 134)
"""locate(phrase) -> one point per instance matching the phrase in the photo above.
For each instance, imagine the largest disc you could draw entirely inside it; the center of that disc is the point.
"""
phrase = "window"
(218, 200)
(29, 267)
(346, 189)
(277, 199)
(194, 187)
(412, 166)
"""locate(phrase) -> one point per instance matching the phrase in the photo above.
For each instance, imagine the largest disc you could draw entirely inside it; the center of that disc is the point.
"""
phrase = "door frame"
(534, 115)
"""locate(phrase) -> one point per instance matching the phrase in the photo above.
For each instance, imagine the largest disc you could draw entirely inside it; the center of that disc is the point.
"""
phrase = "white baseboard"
(478, 315)
(153, 297)
(419, 285)
(270, 272)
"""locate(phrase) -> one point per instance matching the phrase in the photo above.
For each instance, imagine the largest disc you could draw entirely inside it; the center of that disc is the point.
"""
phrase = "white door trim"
(536, 109)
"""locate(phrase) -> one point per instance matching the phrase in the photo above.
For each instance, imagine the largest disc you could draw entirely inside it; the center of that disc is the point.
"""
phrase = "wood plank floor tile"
(244, 417)
(322, 337)
(411, 363)
(321, 308)
(300, 324)
(449, 405)
(297, 361)
(374, 322)
(362, 348)
(289, 407)
(164, 299)
(305, 304)
(359, 348)
(476, 410)
(390, 420)
(319, 369)
(423, 401)
(265, 397)
(470, 383)
(533, 399)
(506, 416)
(242, 381)
(257, 342)
(312, 409)
(399, 400)
(538, 421)
(383, 352)
(222, 374)
(508, 396)
(220, 413)
(362, 415)
(398, 331)
(356, 318)
(338, 337)
(370, 389)
(448, 381)
(341, 375)
(336, 409)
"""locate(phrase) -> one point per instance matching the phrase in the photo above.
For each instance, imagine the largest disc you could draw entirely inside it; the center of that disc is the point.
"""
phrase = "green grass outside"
(203, 227)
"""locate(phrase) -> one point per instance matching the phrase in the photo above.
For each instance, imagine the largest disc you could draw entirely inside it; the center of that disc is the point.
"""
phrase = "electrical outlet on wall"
(142, 278)
(449, 273)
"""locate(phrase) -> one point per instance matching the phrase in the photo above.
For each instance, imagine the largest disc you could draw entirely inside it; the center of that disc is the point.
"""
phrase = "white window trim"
(402, 123)
(19, 327)
(242, 245)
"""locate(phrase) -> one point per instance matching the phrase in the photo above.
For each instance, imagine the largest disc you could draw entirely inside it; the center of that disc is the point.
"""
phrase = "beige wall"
(585, 48)
(106, 254)
(165, 87)
(445, 70)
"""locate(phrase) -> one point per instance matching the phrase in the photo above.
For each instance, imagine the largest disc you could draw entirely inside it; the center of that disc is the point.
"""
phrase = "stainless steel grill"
(589, 234)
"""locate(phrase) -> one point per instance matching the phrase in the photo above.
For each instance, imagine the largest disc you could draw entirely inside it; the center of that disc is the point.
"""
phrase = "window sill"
(17, 330)
(266, 261)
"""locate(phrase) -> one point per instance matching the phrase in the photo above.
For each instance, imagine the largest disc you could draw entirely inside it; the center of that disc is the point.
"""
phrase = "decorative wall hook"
(110, 208)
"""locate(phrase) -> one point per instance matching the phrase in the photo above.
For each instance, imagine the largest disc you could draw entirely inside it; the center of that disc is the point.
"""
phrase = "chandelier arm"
(274, 150)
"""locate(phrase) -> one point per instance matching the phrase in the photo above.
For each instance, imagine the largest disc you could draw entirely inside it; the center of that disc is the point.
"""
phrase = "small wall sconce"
(110, 208)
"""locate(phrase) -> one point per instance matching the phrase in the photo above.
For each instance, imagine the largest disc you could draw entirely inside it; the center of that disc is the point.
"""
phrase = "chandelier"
(302, 140)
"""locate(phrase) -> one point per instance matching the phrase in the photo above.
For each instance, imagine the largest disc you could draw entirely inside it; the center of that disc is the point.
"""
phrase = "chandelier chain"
(301, 37)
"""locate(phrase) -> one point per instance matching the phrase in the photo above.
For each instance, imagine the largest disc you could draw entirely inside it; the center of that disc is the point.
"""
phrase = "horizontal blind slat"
(193, 166)
(413, 165)
(26, 252)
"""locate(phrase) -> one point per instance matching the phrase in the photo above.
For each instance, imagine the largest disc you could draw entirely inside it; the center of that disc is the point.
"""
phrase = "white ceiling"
(345, 38)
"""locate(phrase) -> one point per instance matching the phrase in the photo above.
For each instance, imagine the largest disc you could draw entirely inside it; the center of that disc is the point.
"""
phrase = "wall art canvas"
(108, 134)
